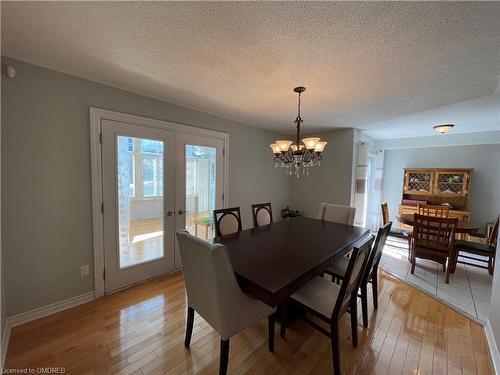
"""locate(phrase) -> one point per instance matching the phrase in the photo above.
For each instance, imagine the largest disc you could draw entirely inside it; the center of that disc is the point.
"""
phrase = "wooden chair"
(336, 213)
(386, 220)
(430, 210)
(385, 213)
(329, 301)
(339, 268)
(433, 238)
(262, 214)
(487, 250)
(227, 221)
(213, 292)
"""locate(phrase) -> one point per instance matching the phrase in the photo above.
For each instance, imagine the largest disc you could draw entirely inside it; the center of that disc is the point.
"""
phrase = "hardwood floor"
(141, 331)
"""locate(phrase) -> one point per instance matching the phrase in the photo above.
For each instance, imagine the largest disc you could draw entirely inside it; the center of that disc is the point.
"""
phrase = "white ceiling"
(470, 116)
(362, 63)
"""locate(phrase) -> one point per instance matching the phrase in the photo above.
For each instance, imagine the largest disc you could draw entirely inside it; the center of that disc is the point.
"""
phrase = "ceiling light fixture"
(444, 128)
(299, 155)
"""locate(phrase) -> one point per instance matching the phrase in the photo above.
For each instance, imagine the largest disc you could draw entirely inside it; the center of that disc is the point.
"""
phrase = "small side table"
(206, 221)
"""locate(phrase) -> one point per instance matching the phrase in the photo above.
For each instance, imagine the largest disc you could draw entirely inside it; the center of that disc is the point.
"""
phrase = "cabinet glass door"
(418, 182)
(450, 183)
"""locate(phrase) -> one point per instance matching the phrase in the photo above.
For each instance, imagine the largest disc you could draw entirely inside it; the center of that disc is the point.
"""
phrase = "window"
(144, 160)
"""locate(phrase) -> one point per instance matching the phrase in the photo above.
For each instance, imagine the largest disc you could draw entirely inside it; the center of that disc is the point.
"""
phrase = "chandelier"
(301, 155)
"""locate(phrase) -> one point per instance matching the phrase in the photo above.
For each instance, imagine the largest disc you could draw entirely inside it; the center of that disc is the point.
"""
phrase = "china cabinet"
(449, 187)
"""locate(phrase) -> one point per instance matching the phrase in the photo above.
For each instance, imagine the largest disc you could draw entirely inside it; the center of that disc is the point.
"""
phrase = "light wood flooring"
(141, 331)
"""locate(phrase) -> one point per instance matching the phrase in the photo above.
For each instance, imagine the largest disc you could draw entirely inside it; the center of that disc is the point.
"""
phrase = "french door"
(154, 181)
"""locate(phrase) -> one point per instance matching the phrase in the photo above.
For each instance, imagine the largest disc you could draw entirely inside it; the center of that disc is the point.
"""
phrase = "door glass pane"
(140, 200)
(200, 189)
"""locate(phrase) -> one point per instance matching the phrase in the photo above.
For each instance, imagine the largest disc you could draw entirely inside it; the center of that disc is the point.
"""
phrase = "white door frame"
(96, 116)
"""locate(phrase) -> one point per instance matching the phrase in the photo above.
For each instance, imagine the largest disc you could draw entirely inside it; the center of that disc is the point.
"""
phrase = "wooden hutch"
(436, 186)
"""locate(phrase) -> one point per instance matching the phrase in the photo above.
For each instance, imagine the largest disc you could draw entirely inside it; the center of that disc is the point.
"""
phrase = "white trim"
(38, 313)
(5, 342)
(53, 308)
(96, 116)
(495, 356)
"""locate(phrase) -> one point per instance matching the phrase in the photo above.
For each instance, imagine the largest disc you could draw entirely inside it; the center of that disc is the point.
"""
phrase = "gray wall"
(485, 193)
(46, 190)
(332, 181)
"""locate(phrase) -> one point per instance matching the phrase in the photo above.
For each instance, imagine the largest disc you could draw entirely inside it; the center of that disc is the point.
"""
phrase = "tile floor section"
(469, 289)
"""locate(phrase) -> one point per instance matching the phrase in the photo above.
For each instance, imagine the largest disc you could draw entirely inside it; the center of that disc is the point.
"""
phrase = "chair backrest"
(376, 253)
(353, 275)
(211, 286)
(435, 233)
(336, 213)
(430, 210)
(492, 238)
(385, 213)
(227, 221)
(262, 214)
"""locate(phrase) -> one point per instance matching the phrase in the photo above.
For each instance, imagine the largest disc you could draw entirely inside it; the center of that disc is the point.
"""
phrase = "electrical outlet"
(84, 270)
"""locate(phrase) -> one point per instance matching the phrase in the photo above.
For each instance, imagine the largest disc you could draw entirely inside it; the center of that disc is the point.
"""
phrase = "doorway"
(155, 179)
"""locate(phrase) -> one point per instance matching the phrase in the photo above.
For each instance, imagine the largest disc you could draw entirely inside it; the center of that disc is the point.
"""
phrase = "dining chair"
(227, 221)
(262, 214)
(213, 292)
(336, 213)
(487, 250)
(403, 233)
(329, 301)
(431, 210)
(385, 213)
(433, 238)
(338, 271)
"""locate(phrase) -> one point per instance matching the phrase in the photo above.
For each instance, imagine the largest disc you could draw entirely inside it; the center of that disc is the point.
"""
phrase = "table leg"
(196, 229)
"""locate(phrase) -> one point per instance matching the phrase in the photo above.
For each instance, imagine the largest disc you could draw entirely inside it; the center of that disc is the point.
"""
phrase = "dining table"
(271, 262)
(462, 227)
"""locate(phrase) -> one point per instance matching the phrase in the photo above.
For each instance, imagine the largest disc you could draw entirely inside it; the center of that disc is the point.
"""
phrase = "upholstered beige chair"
(336, 213)
(213, 292)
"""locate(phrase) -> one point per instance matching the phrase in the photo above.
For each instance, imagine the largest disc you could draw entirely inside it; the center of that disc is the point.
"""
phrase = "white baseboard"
(38, 313)
(492, 344)
(5, 342)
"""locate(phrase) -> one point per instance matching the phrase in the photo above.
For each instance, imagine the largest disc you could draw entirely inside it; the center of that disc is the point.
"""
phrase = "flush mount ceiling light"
(444, 128)
(300, 155)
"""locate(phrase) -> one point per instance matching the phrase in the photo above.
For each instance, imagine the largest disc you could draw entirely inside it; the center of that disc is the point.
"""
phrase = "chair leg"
(224, 356)
(490, 264)
(375, 289)
(189, 326)
(354, 319)
(447, 278)
(364, 304)
(284, 308)
(270, 328)
(334, 336)
(413, 263)
(444, 266)
(409, 248)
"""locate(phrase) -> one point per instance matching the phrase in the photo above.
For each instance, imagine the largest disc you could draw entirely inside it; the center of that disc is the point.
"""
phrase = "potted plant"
(287, 212)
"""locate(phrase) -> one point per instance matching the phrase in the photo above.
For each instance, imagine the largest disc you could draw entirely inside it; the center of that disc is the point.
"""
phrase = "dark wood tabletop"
(273, 261)
(462, 226)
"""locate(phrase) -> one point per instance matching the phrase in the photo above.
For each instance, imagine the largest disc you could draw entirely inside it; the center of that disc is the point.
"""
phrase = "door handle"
(180, 212)
(169, 213)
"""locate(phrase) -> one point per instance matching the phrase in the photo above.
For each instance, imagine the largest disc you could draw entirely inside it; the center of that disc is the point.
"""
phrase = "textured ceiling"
(362, 63)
